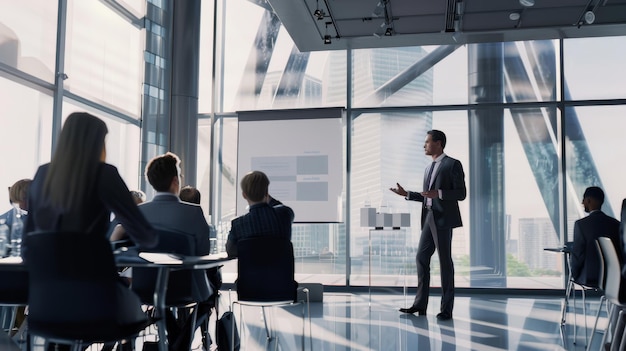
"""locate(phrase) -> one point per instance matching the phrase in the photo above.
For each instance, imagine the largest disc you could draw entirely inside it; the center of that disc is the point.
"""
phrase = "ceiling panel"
(364, 23)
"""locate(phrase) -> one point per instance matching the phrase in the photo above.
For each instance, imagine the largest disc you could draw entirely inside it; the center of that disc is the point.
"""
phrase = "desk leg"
(159, 305)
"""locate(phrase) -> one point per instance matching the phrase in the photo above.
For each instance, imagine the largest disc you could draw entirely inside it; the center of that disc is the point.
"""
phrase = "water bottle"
(4, 236)
(16, 233)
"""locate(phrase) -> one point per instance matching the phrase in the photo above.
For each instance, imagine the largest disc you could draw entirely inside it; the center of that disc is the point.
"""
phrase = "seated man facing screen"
(167, 212)
(266, 215)
(584, 257)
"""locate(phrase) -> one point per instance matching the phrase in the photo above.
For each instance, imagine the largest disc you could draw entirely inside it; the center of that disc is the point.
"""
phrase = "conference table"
(163, 262)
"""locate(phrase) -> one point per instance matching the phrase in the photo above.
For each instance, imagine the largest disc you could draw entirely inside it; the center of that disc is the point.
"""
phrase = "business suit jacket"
(585, 260)
(109, 194)
(273, 219)
(166, 211)
(450, 180)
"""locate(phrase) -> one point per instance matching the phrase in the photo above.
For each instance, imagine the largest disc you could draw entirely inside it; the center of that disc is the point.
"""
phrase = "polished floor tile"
(363, 322)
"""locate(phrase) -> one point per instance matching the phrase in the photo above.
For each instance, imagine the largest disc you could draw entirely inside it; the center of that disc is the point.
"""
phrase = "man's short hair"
(255, 185)
(18, 192)
(594, 192)
(437, 135)
(161, 169)
(190, 194)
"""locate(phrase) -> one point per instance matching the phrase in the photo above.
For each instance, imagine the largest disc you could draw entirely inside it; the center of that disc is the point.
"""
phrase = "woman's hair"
(255, 185)
(74, 166)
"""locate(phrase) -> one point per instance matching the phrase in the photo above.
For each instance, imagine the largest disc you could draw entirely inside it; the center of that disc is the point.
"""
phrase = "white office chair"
(614, 284)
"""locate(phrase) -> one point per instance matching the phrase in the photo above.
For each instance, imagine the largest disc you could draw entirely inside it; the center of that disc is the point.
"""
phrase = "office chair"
(265, 269)
(13, 295)
(602, 287)
(181, 288)
(75, 296)
(571, 291)
(615, 286)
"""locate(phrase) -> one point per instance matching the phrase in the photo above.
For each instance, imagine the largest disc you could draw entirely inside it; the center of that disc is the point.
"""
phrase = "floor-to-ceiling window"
(101, 66)
(532, 130)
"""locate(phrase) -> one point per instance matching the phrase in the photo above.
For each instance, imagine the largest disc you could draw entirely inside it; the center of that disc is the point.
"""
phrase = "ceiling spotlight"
(319, 14)
(590, 17)
(527, 3)
(327, 39)
(514, 16)
(389, 32)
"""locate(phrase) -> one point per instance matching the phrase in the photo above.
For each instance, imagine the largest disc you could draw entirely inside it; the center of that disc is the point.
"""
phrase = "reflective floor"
(372, 322)
(354, 322)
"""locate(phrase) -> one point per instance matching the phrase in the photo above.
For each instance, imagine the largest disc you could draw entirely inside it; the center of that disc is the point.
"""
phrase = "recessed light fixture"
(514, 16)
(527, 3)
(590, 17)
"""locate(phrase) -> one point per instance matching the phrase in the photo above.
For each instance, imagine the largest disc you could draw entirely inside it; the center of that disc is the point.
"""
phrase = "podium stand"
(379, 223)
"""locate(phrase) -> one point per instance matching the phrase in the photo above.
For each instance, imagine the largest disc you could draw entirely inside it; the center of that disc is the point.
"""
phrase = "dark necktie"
(430, 174)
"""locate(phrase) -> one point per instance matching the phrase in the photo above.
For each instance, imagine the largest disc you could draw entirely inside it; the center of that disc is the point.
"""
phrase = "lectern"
(380, 223)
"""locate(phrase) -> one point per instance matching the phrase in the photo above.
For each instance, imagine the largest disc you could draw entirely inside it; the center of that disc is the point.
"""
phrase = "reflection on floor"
(365, 322)
(354, 322)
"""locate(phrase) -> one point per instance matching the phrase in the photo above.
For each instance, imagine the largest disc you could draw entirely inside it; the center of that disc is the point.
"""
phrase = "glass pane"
(122, 143)
(25, 135)
(225, 187)
(104, 56)
(594, 68)
(531, 199)
(205, 82)
(410, 76)
(28, 31)
(203, 165)
(264, 70)
(512, 71)
(592, 155)
(136, 7)
(387, 148)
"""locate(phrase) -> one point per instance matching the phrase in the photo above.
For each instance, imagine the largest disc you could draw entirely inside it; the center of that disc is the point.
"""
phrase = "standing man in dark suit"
(266, 215)
(585, 260)
(444, 187)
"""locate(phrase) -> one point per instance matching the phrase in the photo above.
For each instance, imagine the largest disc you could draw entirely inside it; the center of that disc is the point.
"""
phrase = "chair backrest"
(602, 272)
(265, 268)
(73, 279)
(613, 281)
(14, 288)
(180, 283)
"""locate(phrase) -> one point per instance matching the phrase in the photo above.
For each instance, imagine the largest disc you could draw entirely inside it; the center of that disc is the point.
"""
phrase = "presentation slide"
(301, 151)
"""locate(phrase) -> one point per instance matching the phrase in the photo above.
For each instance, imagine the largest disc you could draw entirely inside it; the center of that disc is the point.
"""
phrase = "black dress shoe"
(413, 310)
(444, 316)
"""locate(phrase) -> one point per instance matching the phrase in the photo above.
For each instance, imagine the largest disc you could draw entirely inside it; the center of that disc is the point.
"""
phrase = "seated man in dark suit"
(266, 215)
(166, 211)
(584, 256)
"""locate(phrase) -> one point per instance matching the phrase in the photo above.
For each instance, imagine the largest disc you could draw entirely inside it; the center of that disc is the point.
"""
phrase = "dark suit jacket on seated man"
(585, 260)
(266, 215)
(167, 212)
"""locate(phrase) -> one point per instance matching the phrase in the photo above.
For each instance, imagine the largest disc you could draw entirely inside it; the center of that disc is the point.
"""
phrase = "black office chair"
(265, 269)
(13, 295)
(75, 295)
(180, 288)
